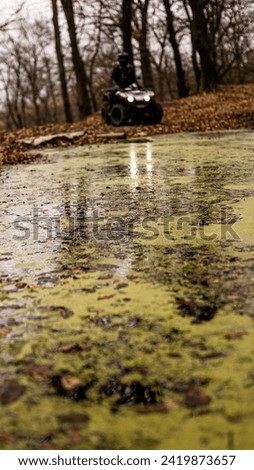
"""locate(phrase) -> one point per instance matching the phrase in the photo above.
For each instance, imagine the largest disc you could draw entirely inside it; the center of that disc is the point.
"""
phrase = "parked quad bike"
(134, 105)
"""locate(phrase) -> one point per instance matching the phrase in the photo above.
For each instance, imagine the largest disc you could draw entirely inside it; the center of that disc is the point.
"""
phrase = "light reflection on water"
(133, 166)
(149, 164)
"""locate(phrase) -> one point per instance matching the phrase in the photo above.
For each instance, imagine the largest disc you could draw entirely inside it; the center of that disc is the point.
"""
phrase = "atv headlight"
(147, 98)
(130, 98)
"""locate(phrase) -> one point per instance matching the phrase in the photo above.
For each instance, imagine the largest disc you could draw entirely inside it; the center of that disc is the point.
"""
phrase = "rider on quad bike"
(128, 102)
(123, 74)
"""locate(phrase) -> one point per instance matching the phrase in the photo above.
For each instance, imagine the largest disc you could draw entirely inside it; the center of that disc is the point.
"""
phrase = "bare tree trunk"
(96, 50)
(10, 116)
(144, 51)
(202, 45)
(49, 100)
(181, 82)
(84, 105)
(126, 28)
(195, 65)
(35, 95)
(61, 67)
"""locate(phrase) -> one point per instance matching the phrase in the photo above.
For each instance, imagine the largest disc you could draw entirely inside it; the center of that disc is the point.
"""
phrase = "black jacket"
(123, 76)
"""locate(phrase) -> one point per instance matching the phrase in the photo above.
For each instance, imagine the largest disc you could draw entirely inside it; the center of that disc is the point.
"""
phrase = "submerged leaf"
(73, 347)
(73, 418)
(160, 407)
(4, 331)
(10, 391)
(106, 297)
(64, 311)
(9, 438)
(235, 334)
(195, 397)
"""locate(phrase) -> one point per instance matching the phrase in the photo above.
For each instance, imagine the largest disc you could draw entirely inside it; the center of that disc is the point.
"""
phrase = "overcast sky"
(33, 7)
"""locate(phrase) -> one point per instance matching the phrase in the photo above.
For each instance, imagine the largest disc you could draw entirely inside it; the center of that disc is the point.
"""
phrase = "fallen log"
(45, 139)
(112, 135)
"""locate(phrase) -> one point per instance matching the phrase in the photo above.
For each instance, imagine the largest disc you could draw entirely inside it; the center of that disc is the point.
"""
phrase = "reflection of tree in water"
(74, 211)
(200, 294)
(193, 274)
(198, 275)
(202, 197)
(103, 214)
(106, 215)
(88, 224)
(204, 278)
(209, 194)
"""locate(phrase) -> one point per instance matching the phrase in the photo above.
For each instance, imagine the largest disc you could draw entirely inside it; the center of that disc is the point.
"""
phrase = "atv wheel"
(118, 114)
(156, 114)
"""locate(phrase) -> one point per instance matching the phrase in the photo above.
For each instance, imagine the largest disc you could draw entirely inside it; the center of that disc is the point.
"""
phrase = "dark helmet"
(123, 58)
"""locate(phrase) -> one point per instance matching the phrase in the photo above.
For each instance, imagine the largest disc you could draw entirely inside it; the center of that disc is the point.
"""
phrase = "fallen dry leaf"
(235, 334)
(20, 284)
(106, 297)
(70, 383)
(67, 348)
(41, 373)
(160, 407)
(64, 312)
(121, 285)
(75, 436)
(95, 310)
(105, 276)
(4, 331)
(9, 438)
(73, 418)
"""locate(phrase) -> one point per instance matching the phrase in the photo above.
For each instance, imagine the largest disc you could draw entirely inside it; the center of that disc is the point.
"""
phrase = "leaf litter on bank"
(230, 107)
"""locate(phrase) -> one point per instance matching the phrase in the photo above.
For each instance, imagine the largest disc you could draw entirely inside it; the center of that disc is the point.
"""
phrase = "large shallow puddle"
(127, 296)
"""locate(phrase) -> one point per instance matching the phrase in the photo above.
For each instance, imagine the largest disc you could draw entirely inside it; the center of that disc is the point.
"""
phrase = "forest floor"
(231, 107)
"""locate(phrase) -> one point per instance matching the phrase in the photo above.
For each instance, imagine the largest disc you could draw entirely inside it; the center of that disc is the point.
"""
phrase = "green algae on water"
(126, 294)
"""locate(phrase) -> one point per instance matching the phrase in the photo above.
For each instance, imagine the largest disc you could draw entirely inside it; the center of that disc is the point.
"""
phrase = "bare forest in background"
(53, 70)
